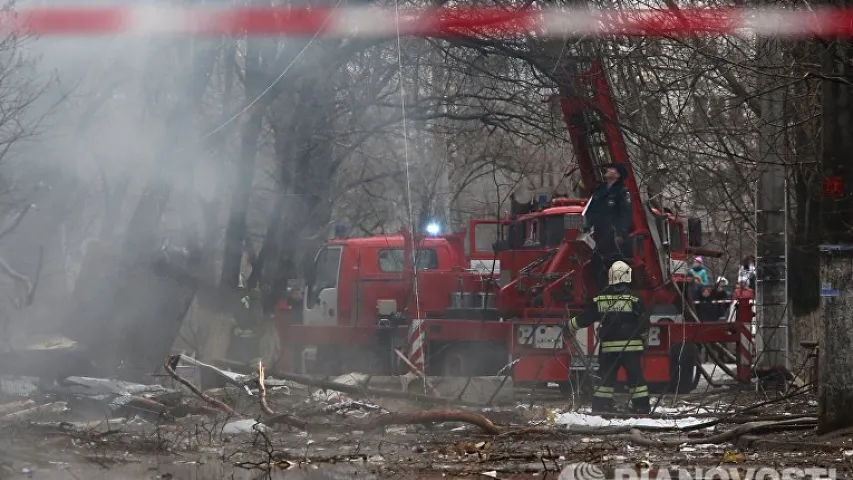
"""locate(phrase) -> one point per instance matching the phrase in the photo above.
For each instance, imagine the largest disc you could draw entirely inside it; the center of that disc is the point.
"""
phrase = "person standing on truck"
(610, 216)
(624, 327)
(699, 272)
(699, 275)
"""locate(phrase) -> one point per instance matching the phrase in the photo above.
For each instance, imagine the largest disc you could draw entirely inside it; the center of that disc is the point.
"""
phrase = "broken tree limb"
(457, 416)
(170, 365)
(262, 391)
(274, 418)
(637, 437)
(282, 419)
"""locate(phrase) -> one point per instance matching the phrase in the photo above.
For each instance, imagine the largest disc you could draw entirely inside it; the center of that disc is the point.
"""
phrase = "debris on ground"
(263, 422)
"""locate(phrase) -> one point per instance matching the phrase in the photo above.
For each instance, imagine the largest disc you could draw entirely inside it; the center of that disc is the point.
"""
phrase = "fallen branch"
(637, 437)
(274, 419)
(170, 365)
(262, 391)
(418, 418)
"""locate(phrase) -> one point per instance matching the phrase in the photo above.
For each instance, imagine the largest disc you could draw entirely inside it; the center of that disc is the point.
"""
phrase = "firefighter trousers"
(608, 366)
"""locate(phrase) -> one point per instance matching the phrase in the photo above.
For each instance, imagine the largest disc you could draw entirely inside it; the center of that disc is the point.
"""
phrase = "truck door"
(321, 295)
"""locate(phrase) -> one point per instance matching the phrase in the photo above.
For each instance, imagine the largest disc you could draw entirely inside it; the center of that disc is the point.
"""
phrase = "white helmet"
(619, 272)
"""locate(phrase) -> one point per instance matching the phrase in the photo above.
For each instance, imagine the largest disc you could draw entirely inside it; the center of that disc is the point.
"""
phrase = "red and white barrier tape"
(731, 300)
(417, 343)
(377, 22)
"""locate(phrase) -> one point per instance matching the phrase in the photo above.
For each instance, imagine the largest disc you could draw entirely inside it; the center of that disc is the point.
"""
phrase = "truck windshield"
(555, 226)
(391, 259)
(552, 231)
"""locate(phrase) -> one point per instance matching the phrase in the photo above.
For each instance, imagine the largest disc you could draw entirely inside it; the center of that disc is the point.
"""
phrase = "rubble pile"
(255, 421)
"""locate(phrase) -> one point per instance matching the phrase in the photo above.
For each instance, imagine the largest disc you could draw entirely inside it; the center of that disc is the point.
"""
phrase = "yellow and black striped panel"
(615, 303)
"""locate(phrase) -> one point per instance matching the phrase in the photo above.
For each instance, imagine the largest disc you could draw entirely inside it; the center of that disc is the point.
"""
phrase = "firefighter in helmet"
(610, 216)
(624, 326)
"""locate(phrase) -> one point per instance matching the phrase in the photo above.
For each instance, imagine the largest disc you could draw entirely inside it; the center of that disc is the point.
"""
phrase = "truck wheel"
(459, 361)
(454, 364)
(683, 359)
(469, 359)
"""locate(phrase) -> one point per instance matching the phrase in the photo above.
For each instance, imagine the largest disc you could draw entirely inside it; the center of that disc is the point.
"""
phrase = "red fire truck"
(493, 299)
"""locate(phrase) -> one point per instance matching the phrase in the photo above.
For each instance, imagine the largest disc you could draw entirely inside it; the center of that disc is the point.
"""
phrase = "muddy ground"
(58, 445)
(92, 435)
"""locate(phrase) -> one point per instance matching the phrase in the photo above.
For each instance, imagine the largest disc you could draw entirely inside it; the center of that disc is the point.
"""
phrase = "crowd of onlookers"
(712, 300)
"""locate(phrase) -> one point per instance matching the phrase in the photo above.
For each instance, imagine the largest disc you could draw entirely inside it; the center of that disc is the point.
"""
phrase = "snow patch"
(243, 426)
(587, 420)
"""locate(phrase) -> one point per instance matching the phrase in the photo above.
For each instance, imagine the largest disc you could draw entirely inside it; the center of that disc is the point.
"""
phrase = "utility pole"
(836, 270)
(771, 219)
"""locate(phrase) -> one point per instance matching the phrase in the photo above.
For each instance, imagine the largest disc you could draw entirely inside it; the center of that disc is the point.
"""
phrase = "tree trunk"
(235, 234)
(836, 388)
(134, 300)
(836, 367)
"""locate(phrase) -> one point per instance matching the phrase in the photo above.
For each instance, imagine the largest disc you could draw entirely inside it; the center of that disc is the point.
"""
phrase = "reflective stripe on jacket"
(623, 319)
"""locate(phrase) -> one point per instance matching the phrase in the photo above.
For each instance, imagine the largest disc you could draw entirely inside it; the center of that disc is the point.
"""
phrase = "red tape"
(355, 22)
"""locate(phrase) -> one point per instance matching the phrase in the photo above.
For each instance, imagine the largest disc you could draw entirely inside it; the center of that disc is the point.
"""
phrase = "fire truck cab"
(359, 280)
(362, 293)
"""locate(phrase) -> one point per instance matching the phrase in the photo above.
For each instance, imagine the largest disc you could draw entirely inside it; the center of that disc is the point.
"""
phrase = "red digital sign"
(833, 186)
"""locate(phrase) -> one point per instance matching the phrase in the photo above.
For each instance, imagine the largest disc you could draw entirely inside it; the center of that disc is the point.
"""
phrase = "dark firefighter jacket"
(609, 213)
(623, 319)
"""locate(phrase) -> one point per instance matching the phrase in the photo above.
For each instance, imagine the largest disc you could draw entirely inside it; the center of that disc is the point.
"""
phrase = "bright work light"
(433, 228)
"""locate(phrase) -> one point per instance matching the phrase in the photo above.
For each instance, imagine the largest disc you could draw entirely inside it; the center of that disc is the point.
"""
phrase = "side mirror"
(694, 232)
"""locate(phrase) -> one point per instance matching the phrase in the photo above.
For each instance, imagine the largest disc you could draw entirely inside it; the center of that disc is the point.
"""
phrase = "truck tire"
(469, 359)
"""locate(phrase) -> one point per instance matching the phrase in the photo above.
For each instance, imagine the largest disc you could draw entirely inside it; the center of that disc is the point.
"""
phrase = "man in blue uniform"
(624, 326)
(610, 215)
